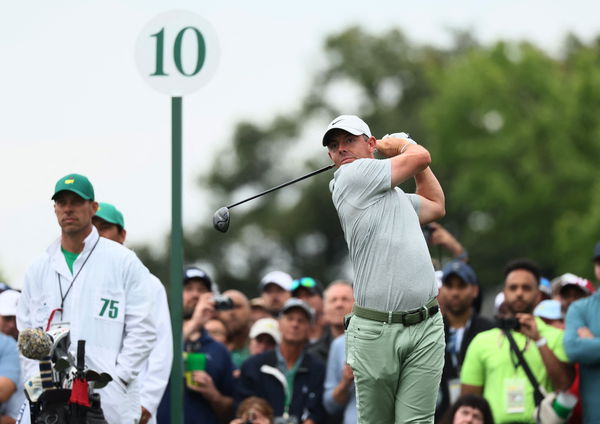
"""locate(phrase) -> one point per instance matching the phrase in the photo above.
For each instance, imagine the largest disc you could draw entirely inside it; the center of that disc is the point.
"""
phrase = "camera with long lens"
(509, 323)
(222, 302)
(286, 420)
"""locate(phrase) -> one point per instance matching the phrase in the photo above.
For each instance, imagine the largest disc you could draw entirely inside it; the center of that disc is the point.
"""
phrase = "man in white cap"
(264, 335)
(396, 320)
(11, 388)
(8, 311)
(154, 377)
(275, 290)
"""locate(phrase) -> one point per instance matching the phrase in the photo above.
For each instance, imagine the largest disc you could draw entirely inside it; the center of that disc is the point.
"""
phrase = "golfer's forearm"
(428, 186)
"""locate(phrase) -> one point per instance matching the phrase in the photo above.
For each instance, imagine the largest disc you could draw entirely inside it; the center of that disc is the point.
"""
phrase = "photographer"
(492, 369)
(208, 391)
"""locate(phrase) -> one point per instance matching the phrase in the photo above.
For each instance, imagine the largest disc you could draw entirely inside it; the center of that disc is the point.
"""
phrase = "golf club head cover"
(34, 343)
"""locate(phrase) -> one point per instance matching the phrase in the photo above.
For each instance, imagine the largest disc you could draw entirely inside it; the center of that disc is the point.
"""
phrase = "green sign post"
(176, 53)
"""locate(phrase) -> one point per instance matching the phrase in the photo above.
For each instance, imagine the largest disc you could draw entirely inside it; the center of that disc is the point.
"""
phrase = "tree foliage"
(513, 135)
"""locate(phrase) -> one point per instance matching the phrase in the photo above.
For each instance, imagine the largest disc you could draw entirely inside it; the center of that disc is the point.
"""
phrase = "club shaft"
(318, 171)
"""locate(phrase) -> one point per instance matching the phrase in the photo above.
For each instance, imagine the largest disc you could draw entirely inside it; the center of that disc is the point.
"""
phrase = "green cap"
(109, 213)
(76, 183)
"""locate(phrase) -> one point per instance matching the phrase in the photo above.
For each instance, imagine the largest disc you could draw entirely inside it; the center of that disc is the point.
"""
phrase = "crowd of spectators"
(280, 357)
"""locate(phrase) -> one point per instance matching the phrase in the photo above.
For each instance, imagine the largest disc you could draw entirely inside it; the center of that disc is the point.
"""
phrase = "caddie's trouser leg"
(397, 369)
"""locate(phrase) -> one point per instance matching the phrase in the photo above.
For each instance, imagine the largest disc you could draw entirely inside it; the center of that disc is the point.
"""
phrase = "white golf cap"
(351, 123)
(8, 303)
(549, 309)
(268, 326)
(280, 278)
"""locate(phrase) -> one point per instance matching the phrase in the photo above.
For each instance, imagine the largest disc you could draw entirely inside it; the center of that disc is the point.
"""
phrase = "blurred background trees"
(513, 135)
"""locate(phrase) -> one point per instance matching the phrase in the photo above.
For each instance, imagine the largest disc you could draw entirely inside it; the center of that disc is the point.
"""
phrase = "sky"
(73, 100)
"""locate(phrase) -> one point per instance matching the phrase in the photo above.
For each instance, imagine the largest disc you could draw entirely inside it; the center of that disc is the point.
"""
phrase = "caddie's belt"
(411, 317)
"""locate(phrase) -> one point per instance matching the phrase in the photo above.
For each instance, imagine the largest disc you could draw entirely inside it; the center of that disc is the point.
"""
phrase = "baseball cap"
(268, 326)
(460, 269)
(195, 273)
(295, 303)
(351, 123)
(76, 183)
(549, 309)
(498, 301)
(569, 279)
(309, 283)
(545, 286)
(8, 303)
(596, 252)
(282, 279)
(111, 214)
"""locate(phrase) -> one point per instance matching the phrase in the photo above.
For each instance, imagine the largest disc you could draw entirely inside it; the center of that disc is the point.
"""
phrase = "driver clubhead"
(221, 219)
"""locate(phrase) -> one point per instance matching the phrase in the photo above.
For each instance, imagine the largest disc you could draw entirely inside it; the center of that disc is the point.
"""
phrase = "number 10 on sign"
(177, 53)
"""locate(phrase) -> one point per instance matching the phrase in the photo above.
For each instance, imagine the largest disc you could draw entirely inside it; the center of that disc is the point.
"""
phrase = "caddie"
(153, 380)
(99, 289)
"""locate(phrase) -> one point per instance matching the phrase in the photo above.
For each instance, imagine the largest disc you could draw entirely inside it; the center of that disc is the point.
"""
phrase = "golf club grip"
(318, 171)
(80, 354)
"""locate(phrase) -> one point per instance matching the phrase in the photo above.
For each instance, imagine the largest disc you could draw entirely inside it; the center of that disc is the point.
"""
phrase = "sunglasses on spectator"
(307, 282)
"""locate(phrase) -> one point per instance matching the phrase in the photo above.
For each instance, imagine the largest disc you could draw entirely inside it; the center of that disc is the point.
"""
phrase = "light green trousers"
(397, 369)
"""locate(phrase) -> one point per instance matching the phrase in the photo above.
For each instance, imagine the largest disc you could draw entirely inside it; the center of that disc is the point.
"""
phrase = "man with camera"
(208, 392)
(491, 368)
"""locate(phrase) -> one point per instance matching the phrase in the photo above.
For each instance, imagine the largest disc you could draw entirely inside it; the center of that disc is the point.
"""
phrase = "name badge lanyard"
(63, 297)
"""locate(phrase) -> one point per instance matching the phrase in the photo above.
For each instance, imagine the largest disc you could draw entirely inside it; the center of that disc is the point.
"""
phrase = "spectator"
(217, 330)
(254, 410)
(154, 377)
(461, 324)
(549, 311)
(237, 321)
(582, 344)
(274, 289)
(572, 288)
(288, 378)
(340, 394)
(257, 309)
(311, 291)
(8, 311)
(338, 301)
(11, 388)
(264, 335)
(208, 399)
(490, 368)
(469, 409)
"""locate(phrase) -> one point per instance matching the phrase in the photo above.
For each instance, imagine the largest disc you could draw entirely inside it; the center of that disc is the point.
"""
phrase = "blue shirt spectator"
(582, 345)
(10, 370)
(335, 373)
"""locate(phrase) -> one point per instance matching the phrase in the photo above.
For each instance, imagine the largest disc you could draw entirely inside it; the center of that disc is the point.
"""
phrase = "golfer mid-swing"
(395, 338)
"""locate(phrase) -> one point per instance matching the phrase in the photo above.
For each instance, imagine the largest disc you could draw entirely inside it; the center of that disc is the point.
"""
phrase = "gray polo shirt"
(392, 265)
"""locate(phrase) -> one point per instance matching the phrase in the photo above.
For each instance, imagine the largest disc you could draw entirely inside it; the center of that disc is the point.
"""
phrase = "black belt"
(411, 317)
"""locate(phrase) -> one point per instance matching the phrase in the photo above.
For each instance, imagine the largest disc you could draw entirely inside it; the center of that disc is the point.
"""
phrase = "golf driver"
(221, 217)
